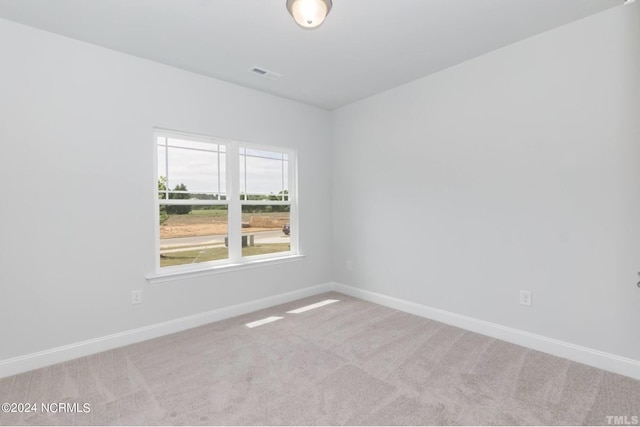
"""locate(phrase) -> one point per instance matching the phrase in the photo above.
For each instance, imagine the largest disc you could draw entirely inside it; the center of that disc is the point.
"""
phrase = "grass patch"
(218, 253)
(267, 248)
(193, 256)
(209, 213)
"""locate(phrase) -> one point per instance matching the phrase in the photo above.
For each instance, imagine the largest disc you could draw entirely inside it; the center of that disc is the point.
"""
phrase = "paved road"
(263, 236)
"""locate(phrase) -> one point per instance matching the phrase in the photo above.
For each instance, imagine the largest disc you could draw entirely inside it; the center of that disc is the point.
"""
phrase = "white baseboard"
(52, 356)
(598, 359)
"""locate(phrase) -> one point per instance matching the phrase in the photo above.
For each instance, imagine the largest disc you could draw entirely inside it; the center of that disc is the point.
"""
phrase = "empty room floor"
(349, 362)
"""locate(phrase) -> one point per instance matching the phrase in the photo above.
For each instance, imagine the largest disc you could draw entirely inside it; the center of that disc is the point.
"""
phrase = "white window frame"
(234, 210)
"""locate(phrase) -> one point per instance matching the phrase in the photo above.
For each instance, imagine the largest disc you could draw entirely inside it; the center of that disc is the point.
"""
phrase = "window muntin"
(201, 222)
(264, 175)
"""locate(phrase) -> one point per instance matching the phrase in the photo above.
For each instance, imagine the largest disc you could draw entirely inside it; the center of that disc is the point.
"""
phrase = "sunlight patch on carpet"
(312, 306)
(263, 321)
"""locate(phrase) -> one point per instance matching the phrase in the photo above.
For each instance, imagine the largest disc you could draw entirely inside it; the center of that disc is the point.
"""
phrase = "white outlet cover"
(136, 297)
(525, 298)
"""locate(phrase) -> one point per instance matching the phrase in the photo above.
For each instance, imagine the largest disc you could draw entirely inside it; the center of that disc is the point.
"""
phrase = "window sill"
(206, 271)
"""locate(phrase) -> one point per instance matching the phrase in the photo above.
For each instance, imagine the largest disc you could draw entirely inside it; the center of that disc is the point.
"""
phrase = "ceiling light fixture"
(309, 14)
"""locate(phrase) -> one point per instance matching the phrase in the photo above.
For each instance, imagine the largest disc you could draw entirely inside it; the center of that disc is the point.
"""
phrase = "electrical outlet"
(525, 298)
(136, 296)
(349, 265)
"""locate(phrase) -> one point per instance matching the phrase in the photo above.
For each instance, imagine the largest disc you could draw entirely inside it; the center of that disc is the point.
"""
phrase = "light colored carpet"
(351, 362)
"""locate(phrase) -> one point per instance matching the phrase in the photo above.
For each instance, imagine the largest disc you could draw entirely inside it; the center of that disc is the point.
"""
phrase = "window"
(222, 202)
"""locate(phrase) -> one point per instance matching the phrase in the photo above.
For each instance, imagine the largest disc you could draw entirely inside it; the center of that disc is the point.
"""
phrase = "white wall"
(517, 170)
(76, 171)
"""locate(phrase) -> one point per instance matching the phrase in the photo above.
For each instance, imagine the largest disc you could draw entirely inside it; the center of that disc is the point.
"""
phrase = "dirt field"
(207, 223)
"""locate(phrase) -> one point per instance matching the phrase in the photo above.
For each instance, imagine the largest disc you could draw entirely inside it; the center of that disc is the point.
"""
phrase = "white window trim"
(235, 260)
(208, 270)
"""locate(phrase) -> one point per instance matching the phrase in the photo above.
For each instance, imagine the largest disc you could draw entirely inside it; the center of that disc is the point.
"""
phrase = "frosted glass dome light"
(309, 13)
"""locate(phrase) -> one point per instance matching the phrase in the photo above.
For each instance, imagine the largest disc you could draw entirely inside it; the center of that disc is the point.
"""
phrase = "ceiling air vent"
(265, 73)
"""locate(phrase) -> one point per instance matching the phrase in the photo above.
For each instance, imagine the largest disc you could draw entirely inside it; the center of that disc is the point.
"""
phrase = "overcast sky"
(198, 169)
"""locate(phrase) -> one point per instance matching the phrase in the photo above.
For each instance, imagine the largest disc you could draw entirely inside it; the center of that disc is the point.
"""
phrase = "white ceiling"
(364, 47)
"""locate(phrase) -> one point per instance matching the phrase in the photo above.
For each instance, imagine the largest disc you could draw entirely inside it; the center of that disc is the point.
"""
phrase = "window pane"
(265, 230)
(191, 169)
(263, 174)
(192, 234)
